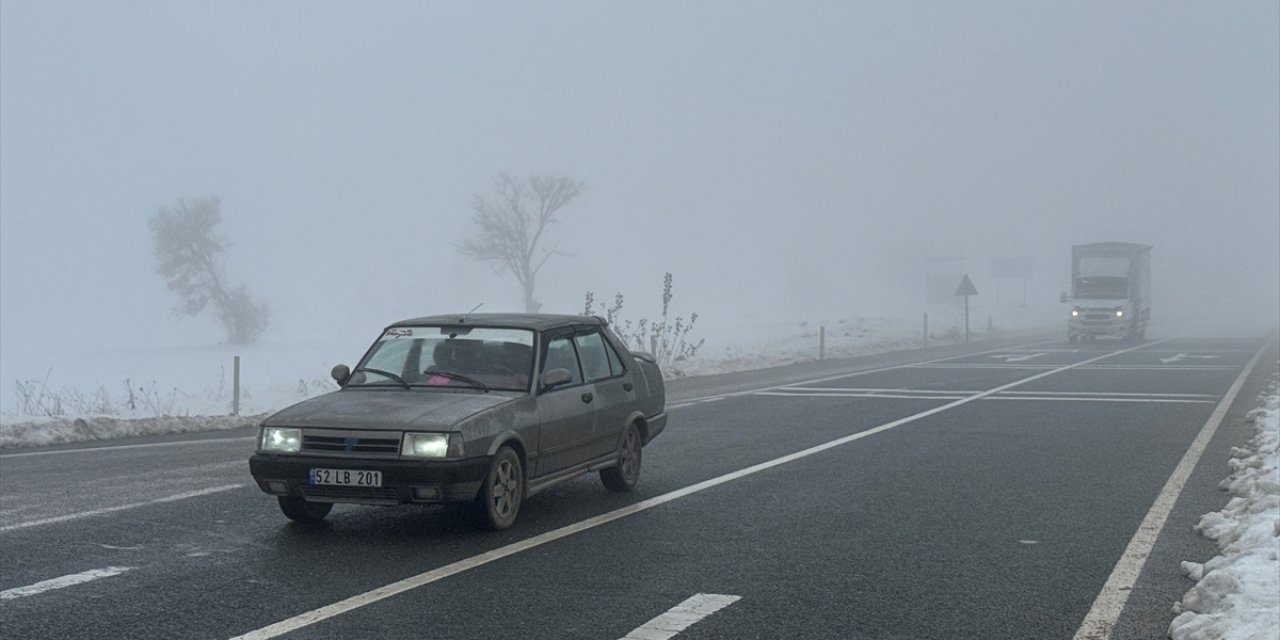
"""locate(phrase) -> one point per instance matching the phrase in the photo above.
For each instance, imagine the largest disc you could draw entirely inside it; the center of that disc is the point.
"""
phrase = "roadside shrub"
(668, 340)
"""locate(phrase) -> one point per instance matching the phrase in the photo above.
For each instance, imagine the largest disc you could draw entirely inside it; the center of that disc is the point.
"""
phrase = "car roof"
(533, 321)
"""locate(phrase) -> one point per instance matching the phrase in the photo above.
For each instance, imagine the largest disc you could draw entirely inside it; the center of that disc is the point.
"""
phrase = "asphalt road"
(943, 494)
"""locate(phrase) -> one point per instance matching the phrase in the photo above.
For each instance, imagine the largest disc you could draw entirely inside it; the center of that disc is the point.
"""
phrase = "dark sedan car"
(485, 409)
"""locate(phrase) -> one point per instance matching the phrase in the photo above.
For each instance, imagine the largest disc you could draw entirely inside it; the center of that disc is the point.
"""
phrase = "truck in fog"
(1110, 291)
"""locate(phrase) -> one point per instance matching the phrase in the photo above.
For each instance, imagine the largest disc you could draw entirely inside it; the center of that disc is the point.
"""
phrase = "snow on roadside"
(63, 430)
(1237, 594)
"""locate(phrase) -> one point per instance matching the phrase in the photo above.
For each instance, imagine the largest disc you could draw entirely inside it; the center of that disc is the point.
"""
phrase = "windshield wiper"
(384, 373)
(457, 376)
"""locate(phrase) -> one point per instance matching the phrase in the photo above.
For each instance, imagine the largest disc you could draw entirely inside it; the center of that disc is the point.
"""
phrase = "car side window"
(560, 355)
(595, 361)
(615, 362)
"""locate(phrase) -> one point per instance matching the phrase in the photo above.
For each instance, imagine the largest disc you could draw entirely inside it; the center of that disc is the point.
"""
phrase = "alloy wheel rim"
(504, 488)
(630, 454)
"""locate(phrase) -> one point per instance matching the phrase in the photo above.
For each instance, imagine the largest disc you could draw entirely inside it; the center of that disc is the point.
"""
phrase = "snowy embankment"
(190, 390)
(1237, 594)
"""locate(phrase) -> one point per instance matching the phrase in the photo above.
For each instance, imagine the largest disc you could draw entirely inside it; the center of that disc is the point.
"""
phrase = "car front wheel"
(624, 475)
(503, 490)
(300, 510)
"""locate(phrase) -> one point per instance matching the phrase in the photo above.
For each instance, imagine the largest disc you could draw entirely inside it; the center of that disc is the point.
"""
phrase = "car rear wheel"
(503, 490)
(300, 510)
(624, 475)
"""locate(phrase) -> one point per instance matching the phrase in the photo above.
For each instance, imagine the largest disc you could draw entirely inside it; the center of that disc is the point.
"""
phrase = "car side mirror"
(556, 377)
(1063, 297)
(341, 374)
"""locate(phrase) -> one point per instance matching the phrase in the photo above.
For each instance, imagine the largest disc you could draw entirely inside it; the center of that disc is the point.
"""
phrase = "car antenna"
(473, 310)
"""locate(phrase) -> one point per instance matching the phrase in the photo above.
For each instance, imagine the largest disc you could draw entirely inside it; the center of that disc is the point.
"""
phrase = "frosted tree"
(511, 223)
(188, 248)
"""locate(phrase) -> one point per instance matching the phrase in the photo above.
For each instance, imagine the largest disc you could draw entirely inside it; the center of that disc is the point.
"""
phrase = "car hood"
(386, 409)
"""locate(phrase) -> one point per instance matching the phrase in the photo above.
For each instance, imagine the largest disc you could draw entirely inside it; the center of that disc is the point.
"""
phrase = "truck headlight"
(1075, 313)
(1119, 313)
(278, 440)
(431, 445)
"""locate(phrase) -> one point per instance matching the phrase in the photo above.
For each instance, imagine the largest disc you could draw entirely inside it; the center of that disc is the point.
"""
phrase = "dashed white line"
(134, 505)
(61, 583)
(681, 617)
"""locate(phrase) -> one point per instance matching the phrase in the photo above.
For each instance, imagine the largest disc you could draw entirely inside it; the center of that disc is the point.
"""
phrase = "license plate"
(346, 477)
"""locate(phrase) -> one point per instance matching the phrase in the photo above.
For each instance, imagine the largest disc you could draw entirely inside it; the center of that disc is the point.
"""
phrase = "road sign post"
(966, 289)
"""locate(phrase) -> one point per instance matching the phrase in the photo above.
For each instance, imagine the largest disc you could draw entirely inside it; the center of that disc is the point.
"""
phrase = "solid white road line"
(957, 396)
(135, 505)
(681, 617)
(413, 582)
(59, 583)
(1124, 394)
(184, 443)
(1104, 613)
(849, 374)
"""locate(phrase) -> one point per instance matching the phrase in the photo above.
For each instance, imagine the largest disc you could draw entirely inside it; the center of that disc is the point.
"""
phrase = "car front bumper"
(403, 481)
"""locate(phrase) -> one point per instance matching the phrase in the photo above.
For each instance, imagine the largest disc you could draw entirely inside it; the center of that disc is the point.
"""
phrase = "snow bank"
(61, 430)
(1237, 594)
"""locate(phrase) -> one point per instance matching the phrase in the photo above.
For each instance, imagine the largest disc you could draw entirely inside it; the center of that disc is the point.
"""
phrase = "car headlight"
(1075, 313)
(1119, 313)
(431, 445)
(278, 440)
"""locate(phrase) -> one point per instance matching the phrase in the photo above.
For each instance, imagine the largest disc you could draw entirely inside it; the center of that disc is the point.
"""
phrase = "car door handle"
(587, 397)
(627, 386)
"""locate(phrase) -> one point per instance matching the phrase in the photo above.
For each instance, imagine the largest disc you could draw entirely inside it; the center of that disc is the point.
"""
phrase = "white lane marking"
(63, 582)
(854, 374)
(681, 617)
(413, 582)
(690, 403)
(126, 446)
(134, 505)
(1106, 608)
(1124, 394)
(1186, 356)
(1105, 367)
(1017, 357)
(1037, 397)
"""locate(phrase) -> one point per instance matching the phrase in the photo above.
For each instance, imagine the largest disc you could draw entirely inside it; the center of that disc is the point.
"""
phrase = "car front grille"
(364, 495)
(351, 443)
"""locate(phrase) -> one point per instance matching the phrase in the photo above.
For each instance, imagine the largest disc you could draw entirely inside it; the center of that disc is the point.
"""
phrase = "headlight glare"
(425, 445)
(1119, 313)
(1075, 313)
(280, 440)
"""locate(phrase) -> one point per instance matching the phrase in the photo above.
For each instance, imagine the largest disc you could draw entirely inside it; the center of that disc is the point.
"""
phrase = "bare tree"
(511, 226)
(188, 249)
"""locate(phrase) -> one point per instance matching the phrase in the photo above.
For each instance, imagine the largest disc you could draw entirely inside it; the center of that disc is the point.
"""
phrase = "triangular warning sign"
(966, 287)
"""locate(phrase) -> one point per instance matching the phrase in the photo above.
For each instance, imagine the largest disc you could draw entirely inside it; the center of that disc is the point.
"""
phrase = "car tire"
(624, 475)
(503, 491)
(299, 510)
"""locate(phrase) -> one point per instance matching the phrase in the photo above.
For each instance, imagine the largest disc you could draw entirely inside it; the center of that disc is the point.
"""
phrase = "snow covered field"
(1237, 594)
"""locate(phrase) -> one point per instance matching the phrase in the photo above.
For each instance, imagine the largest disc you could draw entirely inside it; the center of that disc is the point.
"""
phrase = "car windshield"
(449, 356)
(1102, 287)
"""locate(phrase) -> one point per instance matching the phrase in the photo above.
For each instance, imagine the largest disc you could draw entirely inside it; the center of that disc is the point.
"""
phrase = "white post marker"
(63, 582)
(681, 617)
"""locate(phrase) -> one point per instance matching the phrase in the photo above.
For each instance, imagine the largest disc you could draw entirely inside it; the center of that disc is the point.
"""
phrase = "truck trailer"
(1110, 291)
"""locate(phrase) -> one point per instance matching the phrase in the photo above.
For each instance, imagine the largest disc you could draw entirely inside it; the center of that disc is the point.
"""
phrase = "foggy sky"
(784, 160)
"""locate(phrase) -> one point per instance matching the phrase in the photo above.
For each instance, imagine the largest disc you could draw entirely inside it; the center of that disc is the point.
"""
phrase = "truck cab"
(1110, 291)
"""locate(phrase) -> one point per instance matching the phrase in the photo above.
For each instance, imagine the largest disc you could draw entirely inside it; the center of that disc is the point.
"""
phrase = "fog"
(784, 161)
